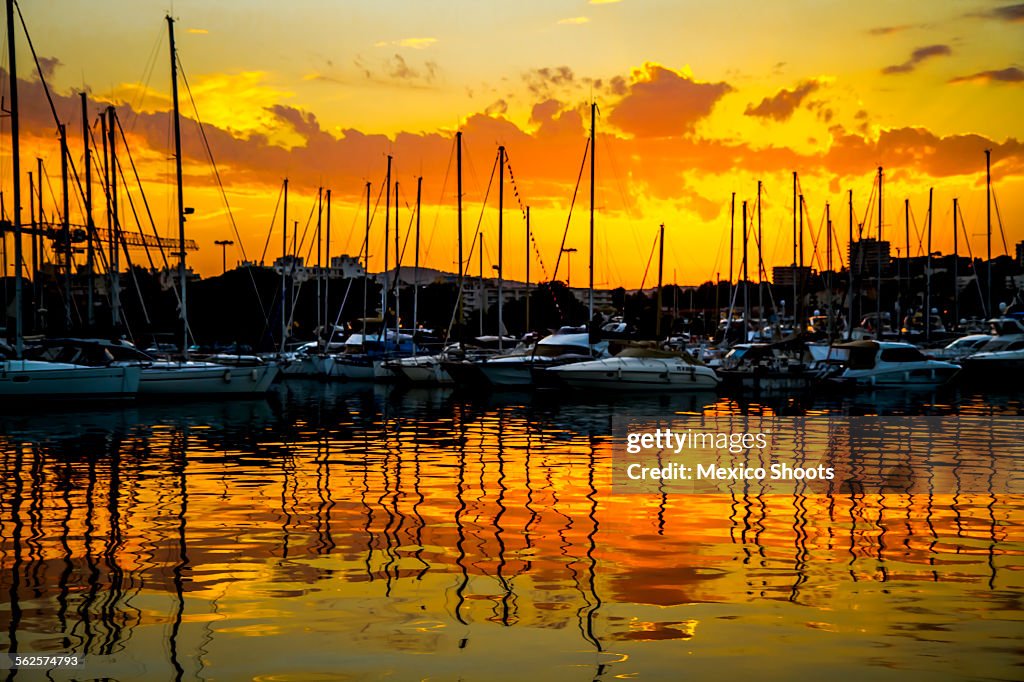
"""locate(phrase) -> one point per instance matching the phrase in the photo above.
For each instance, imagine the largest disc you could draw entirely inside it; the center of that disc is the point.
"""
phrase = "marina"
(352, 343)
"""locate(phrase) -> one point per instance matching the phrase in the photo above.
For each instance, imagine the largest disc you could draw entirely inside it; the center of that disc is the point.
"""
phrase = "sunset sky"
(697, 101)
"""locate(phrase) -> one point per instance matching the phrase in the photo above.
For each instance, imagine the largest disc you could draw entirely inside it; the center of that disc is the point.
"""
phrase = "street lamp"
(568, 269)
(224, 244)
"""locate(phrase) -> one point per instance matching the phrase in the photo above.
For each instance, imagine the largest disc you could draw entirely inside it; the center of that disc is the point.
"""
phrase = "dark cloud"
(781, 105)
(890, 30)
(547, 80)
(661, 102)
(498, 108)
(1010, 74)
(48, 65)
(1010, 13)
(919, 55)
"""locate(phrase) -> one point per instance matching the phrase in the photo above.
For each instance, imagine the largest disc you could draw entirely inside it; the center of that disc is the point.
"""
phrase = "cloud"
(661, 102)
(781, 105)
(1010, 13)
(413, 43)
(573, 21)
(602, 2)
(197, 31)
(918, 56)
(891, 30)
(1010, 74)
(49, 66)
(545, 81)
(397, 70)
(497, 108)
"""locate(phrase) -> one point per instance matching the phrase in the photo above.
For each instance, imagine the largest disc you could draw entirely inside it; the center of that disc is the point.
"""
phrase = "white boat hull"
(651, 375)
(923, 376)
(33, 380)
(205, 379)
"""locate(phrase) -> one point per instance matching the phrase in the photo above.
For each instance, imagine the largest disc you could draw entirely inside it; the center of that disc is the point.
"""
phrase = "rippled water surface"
(347, 532)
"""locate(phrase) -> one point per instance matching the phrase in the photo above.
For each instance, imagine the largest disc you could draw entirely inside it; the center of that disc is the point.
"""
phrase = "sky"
(696, 102)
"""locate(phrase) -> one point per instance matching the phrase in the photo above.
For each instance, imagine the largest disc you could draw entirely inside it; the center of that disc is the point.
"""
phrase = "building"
(346, 267)
(867, 254)
(1020, 254)
(786, 275)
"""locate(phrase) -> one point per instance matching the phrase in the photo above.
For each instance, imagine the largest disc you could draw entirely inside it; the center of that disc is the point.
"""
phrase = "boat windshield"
(902, 354)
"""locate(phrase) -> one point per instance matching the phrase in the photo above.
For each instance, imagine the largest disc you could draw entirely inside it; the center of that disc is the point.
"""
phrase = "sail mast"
(956, 265)
(416, 260)
(16, 170)
(181, 196)
(284, 269)
(89, 227)
(458, 191)
(593, 150)
(501, 244)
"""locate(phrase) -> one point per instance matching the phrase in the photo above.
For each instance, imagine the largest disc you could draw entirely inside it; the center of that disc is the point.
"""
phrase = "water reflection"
(349, 530)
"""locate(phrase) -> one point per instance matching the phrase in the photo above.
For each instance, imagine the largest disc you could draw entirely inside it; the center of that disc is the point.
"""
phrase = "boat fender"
(693, 374)
(255, 374)
(227, 376)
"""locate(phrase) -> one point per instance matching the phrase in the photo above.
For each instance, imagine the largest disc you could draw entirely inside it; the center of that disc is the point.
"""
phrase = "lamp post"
(568, 268)
(224, 244)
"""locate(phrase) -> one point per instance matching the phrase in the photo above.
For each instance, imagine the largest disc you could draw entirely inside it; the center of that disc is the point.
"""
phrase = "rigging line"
(142, 192)
(220, 184)
(138, 223)
(568, 219)
(273, 222)
(622, 190)
(440, 199)
(648, 267)
(309, 220)
(483, 207)
(999, 219)
(970, 253)
(147, 76)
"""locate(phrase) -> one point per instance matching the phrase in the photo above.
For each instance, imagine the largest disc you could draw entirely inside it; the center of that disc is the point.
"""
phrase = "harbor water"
(345, 531)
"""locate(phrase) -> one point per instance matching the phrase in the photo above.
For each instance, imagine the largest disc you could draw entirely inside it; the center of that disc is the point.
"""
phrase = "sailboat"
(29, 380)
(187, 377)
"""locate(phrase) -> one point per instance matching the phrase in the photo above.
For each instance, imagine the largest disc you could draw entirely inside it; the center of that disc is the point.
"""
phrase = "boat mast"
(366, 263)
(327, 259)
(661, 265)
(501, 245)
(115, 222)
(760, 260)
(849, 308)
(878, 260)
(928, 278)
(416, 261)
(387, 233)
(526, 328)
(593, 154)
(746, 281)
(956, 265)
(89, 227)
(284, 269)
(906, 228)
(320, 319)
(398, 272)
(181, 196)
(65, 224)
(828, 266)
(16, 170)
(458, 192)
(988, 224)
(794, 251)
(732, 257)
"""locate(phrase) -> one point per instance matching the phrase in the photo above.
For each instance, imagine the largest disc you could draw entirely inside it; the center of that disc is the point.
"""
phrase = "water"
(346, 532)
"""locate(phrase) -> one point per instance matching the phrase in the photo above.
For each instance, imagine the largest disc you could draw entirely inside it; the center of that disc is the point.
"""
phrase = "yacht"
(639, 369)
(364, 356)
(32, 380)
(236, 376)
(1001, 358)
(887, 363)
(517, 369)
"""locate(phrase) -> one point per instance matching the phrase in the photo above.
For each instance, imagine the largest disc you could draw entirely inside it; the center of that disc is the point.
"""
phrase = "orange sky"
(697, 101)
